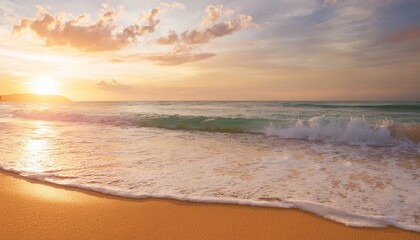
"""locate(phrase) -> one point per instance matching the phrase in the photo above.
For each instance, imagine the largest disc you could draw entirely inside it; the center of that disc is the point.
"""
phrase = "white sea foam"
(339, 215)
(355, 130)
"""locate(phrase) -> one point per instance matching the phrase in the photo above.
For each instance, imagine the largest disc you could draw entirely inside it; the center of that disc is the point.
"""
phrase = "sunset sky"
(212, 50)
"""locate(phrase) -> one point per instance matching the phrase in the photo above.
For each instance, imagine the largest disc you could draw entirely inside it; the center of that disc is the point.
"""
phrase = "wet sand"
(35, 210)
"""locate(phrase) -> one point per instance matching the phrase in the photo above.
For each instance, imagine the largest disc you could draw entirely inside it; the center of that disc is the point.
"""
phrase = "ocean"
(353, 162)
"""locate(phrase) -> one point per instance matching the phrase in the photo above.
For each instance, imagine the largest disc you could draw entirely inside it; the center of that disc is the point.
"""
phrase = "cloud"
(171, 38)
(179, 55)
(356, 33)
(92, 37)
(175, 5)
(327, 2)
(113, 85)
(105, 34)
(218, 30)
(213, 14)
(173, 58)
(214, 28)
(404, 35)
(350, 27)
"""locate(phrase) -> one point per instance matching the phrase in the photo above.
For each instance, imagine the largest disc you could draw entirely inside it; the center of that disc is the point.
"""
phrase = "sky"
(211, 50)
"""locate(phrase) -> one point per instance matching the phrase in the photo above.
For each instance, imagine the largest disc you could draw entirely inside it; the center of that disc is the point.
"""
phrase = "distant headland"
(33, 98)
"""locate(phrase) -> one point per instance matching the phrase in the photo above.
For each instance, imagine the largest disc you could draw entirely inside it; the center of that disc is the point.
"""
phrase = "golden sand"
(34, 210)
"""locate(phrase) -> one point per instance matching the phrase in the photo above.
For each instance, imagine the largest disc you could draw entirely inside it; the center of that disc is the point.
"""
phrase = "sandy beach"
(35, 210)
(226, 120)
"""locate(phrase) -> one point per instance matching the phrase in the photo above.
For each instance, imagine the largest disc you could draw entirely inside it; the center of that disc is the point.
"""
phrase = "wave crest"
(355, 131)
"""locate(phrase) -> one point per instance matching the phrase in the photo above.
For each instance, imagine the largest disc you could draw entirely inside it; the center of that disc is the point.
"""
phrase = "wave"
(355, 131)
(391, 107)
(352, 131)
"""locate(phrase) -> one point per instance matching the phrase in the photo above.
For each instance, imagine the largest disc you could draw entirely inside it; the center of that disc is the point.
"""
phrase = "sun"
(43, 85)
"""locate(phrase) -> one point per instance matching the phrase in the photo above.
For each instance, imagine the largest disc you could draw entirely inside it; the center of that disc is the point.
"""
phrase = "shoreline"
(33, 209)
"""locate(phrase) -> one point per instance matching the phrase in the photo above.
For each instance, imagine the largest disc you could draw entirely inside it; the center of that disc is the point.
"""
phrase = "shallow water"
(338, 160)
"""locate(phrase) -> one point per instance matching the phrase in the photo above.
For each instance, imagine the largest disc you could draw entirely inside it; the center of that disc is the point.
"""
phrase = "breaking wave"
(353, 131)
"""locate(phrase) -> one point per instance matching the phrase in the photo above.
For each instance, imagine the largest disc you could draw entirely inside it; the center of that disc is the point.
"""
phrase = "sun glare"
(43, 85)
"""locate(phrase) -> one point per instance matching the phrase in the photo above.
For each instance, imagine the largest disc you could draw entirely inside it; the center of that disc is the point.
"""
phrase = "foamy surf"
(354, 131)
(338, 215)
(353, 170)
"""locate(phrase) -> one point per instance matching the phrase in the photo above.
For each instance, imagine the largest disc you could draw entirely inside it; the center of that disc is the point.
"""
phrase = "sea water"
(353, 162)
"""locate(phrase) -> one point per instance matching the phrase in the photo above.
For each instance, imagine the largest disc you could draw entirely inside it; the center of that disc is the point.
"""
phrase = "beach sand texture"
(34, 210)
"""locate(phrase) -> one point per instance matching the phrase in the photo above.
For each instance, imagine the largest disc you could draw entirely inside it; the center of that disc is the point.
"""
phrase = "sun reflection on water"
(37, 148)
(37, 156)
